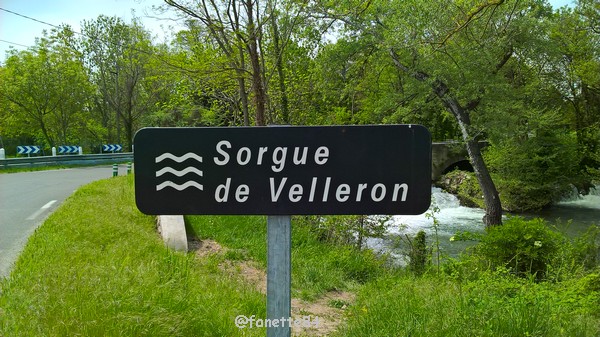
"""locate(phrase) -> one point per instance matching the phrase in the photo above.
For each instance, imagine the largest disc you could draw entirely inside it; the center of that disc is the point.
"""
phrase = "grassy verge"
(494, 305)
(317, 267)
(390, 302)
(97, 267)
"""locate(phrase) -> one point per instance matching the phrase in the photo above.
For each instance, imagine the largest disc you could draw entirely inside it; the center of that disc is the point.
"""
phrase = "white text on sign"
(278, 157)
(297, 192)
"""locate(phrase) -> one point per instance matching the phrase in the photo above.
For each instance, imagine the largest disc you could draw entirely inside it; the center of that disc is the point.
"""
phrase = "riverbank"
(572, 217)
(465, 187)
(90, 272)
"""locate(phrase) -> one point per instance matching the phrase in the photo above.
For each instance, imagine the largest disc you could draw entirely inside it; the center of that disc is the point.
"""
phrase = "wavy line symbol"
(179, 187)
(181, 173)
(186, 156)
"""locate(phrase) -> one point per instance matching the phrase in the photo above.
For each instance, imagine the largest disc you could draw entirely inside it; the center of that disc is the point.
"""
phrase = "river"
(452, 217)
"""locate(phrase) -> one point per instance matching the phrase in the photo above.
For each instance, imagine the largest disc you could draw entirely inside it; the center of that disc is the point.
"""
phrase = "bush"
(531, 172)
(525, 247)
(418, 253)
(587, 248)
(346, 229)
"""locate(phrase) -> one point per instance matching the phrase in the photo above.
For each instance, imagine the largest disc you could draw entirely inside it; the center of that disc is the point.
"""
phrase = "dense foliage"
(518, 74)
(525, 247)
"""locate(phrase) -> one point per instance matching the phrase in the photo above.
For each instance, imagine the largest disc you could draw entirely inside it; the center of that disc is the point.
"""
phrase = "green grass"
(395, 303)
(317, 267)
(96, 267)
(495, 305)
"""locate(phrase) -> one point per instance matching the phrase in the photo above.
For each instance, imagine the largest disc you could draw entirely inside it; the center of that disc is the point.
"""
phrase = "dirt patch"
(253, 275)
(205, 247)
(249, 271)
(329, 308)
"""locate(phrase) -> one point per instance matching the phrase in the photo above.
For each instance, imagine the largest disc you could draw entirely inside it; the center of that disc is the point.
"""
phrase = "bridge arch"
(463, 165)
(448, 156)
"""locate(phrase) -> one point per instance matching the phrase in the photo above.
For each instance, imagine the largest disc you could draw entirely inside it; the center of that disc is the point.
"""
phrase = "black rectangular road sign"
(383, 169)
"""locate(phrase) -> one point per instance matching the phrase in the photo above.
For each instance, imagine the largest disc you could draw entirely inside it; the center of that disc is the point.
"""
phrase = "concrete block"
(172, 230)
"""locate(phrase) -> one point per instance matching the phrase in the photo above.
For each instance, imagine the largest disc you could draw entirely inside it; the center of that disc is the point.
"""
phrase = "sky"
(21, 32)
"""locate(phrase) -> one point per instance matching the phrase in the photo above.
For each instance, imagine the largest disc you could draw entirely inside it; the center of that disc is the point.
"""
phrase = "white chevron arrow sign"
(27, 149)
(112, 148)
(68, 149)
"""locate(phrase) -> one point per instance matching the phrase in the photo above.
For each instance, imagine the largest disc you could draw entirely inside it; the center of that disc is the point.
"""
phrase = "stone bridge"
(447, 156)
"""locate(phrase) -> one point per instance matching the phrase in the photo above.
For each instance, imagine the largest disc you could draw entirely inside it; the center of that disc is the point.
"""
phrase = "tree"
(458, 51)
(116, 55)
(46, 90)
(255, 38)
(484, 63)
(279, 63)
(232, 26)
(575, 33)
(210, 92)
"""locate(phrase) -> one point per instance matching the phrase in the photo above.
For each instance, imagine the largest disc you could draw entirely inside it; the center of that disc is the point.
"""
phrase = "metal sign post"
(279, 273)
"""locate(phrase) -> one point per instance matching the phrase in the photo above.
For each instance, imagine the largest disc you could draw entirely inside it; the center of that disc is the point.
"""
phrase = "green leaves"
(44, 91)
(525, 247)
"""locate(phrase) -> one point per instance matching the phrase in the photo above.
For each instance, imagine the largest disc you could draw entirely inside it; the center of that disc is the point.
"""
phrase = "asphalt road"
(27, 198)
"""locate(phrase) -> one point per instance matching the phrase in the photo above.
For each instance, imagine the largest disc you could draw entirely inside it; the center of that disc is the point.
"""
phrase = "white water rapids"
(452, 217)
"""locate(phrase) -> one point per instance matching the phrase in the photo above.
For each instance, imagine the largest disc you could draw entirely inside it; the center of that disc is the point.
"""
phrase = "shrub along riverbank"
(87, 271)
(516, 197)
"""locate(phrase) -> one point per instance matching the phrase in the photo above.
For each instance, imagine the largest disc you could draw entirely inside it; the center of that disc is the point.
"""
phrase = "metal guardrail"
(86, 159)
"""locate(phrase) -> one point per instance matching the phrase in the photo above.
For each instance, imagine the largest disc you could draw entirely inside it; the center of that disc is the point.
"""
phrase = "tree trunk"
(243, 98)
(493, 207)
(45, 132)
(285, 111)
(242, 86)
(257, 85)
